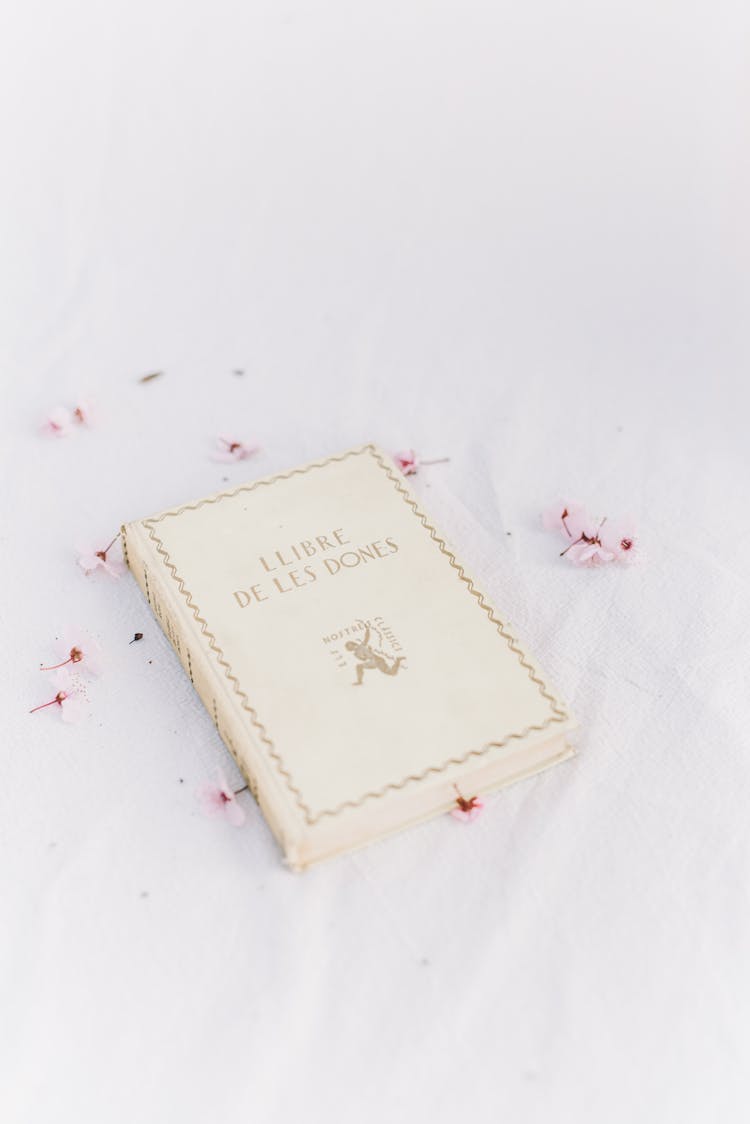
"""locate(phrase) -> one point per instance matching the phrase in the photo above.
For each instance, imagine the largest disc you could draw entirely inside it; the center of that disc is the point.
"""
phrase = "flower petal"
(114, 567)
(234, 813)
(568, 517)
(211, 799)
(586, 552)
(245, 452)
(57, 423)
(89, 562)
(73, 709)
(222, 782)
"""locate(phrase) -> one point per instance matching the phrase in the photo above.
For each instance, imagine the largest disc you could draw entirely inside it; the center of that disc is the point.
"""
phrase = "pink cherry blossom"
(219, 799)
(588, 549)
(71, 696)
(467, 810)
(588, 552)
(80, 652)
(91, 559)
(229, 449)
(57, 423)
(592, 542)
(408, 461)
(623, 540)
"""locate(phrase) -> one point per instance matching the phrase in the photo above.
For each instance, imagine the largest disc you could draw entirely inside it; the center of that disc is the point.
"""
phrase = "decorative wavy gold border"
(557, 712)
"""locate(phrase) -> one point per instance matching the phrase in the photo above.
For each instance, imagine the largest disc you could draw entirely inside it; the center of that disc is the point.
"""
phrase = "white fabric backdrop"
(513, 234)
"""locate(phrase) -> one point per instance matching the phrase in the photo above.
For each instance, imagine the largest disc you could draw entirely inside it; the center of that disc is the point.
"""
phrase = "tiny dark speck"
(238, 371)
(180, 780)
(150, 661)
(144, 893)
(424, 962)
(509, 532)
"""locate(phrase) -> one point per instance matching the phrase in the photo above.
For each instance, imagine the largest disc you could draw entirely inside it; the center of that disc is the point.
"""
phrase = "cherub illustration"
(369, 658)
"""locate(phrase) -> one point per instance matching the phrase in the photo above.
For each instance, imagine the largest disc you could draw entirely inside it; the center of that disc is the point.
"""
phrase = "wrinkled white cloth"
(514, 235)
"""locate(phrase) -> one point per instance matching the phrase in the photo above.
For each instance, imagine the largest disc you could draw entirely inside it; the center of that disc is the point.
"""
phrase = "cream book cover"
(350, 663)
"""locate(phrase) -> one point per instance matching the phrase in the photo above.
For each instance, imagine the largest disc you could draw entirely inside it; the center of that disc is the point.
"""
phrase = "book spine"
(177, 625)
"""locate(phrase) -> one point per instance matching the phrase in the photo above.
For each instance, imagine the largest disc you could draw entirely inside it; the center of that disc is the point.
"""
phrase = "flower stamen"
(76, 655)
(59, 699)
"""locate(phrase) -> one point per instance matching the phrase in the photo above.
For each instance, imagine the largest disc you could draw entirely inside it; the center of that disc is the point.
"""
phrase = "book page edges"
(215, 692)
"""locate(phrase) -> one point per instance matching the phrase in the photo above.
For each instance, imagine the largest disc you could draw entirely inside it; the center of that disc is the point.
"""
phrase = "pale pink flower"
(568, 517)
(467, 810)
(229, 449)
(588, 552)
(622, 538)
(57, 423)
(591, 542)
(408, 461)
(219, 799)
(71, 697)
(90, 559)
(589, 549)
(80, 652)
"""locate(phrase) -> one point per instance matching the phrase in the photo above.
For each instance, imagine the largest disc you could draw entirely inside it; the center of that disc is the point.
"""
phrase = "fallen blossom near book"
(231, 449)
(79, 649)
(410, 463)
(219, 799)
(467, 809)
(70, 697)
(91, 559)
(590, 541)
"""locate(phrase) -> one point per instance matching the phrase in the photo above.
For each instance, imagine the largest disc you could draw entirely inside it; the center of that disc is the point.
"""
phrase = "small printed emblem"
(366, 646)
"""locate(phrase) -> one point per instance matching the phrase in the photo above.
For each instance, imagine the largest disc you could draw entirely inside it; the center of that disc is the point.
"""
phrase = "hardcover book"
(351, 665)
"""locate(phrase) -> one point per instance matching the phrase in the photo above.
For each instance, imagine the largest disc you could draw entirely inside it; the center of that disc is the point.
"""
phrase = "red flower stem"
(583, 538)
(464, 804)
(56, 665)
(111, 544)
(244, 788)
(50, 703)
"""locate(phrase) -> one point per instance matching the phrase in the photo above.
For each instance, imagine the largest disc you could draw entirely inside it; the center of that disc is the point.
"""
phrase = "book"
(359, 677)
